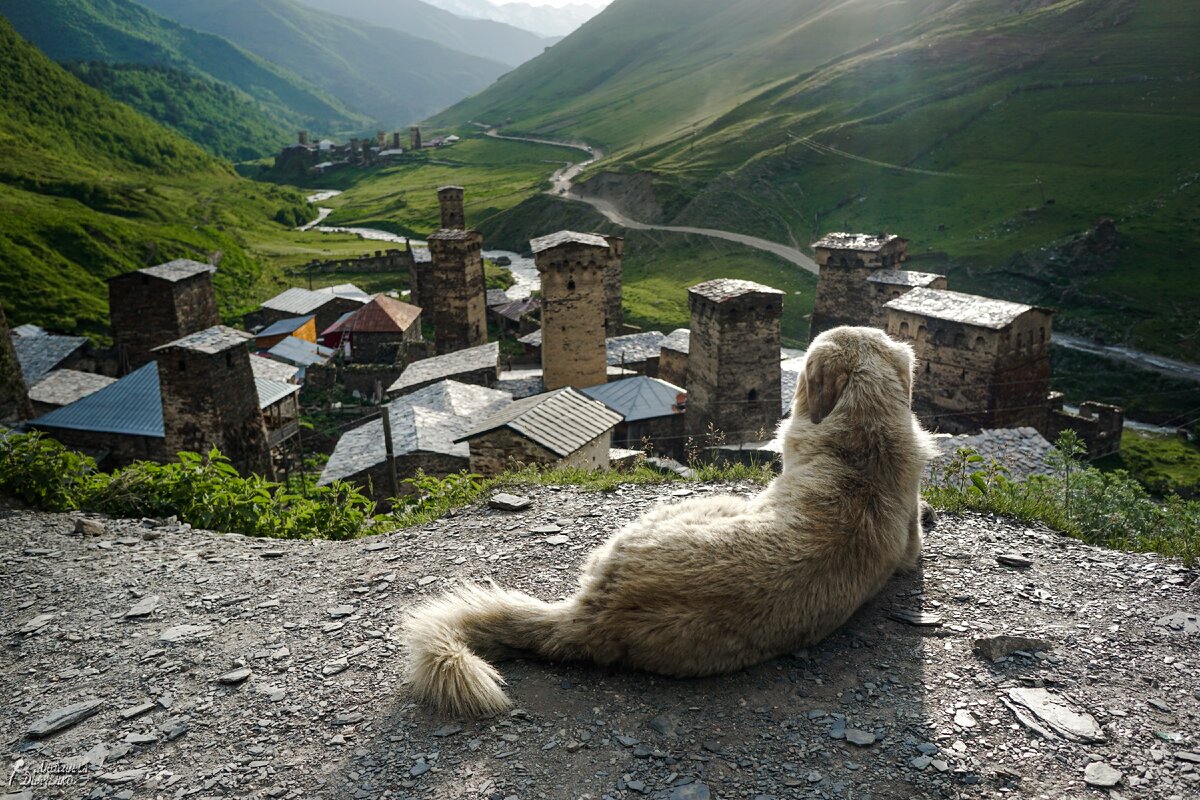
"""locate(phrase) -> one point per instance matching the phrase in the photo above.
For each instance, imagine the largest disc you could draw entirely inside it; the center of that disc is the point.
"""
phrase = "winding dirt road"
(562, 185)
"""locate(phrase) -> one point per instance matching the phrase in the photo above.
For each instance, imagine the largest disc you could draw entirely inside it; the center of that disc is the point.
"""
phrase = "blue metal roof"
(131, 406)
(288, 326)
(638, 398)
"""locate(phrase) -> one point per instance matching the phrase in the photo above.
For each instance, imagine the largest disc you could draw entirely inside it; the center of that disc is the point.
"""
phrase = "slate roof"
(543, 243)
(210, 341)
(723, 289)
(301, 353)
(273, 370)
(61, 387)
(968, 309)
(521, 383)
(638, 398)
(131, 406)
(517, 310)
(497, 297)
(381, 315)
(561, 421)
(298, 301)
(178, 270)
(471, 359)
(678, 340)
(903, 277)
(288, 326)
(862, 242)
(40, 353)
(634, 348)
(28, 329)
(426, 421)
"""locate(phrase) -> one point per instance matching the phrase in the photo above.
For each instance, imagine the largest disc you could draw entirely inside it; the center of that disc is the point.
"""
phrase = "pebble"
(36, 624)
(180, 633)
(1102, 774)
(557, 540)
(144, 607)
(235, 676)
(964, 719)
(89, 527)
(860, 738)
(509, 502)
(1015, 560)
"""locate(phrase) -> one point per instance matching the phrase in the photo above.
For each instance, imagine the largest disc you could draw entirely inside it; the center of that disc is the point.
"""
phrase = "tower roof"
(175, 271)
(543, 243)
(723, 289)
(859, 242)
(210, 341)
(968, 309)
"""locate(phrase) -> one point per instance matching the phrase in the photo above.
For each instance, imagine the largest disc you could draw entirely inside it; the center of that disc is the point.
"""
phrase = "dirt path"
(562, 185)
(220, 666)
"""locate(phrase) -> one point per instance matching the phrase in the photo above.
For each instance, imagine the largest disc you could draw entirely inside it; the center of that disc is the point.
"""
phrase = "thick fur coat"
(712, 585)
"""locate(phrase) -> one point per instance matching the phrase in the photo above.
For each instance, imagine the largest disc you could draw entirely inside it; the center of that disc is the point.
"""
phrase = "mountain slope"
(89, 189)
(394, 77)
(491, 39)
(989, 132)
(124, 32)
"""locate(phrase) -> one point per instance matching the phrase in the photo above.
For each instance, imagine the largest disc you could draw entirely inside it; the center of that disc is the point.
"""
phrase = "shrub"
(42, 473)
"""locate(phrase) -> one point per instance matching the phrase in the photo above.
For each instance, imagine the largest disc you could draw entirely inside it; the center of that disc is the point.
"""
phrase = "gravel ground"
(202, 665)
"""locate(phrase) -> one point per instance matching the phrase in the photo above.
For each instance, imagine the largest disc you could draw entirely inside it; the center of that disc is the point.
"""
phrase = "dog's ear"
(825, 380)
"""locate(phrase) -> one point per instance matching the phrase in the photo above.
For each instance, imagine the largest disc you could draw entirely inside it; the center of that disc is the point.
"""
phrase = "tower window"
(752, 395)
(570, 285)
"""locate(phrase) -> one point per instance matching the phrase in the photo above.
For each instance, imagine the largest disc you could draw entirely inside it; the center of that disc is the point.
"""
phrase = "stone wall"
(842, 296)
(614, 315)
(574, 305)
(381, 261)
(14, 394)
(114, 450)
(1099, 425)
(146, 312)
(383, 348)
(210, 400)
(672, 367)
(497, 451)
(733, 379)
(458, 305)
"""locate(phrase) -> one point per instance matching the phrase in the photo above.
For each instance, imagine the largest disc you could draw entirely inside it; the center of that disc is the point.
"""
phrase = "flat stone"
(272, 554)
(1184, 622)
(334, 667)
(236, 676)
(36, 624)
(1050, 715)
(179, 633)
(135, 711)
(626, 741)
(509, 502)
(144, 607)
(1102, 774)
(1014, 560)
(349, 718)
(338, 612)
(994, 648)
(63, 718)
(545, 529)
(428, 579)
(140, 738)
(1188, 756)
(911, 616)
(89, 527)
(117, 778)
(448, 730)
(964, 719)
(558, 539)
(859, 737)
(920, 762)
(419, 769)
(174, 727)
(690, 791)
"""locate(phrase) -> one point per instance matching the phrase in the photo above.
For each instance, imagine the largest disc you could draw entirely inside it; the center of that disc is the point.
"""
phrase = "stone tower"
(414, 137)
(614, 316)
(210, 398)
(395, 140)
(846, 261)
(734, 376)
(453, 291)
(14, 396)
(574, 268)
(156, 305)
(450, 200)
(303, 137)
(381, 139)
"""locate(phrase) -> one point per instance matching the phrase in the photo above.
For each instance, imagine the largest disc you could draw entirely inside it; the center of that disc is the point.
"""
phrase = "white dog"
(715, 584)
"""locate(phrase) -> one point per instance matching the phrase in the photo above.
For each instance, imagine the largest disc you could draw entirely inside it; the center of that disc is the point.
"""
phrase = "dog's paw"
(928, 515)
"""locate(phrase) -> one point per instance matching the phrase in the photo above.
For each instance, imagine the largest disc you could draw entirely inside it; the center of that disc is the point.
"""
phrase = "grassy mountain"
(992, 133)
(90, 188)
(124, 32)
(394, 77)
(497, 41)
(216, 116)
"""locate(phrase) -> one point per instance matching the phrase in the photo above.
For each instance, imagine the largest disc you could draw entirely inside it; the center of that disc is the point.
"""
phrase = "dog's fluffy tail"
(445, 637)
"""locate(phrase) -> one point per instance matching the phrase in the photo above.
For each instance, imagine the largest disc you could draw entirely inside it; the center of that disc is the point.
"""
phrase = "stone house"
(424, 427)
(846, 262)
(479, 366)
(301, 327)
(377, 332)
(150, 307)
(984, 363)
(673, 356)
(651, 409)
(327, 307)
(61, 387)
(560, 428)
(39, 353)
(1099, 425)
(734, 378)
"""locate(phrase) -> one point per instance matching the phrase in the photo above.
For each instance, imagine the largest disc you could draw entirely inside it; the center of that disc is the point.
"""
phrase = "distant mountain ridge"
(491, 37)
(393, 77)
(546, 20)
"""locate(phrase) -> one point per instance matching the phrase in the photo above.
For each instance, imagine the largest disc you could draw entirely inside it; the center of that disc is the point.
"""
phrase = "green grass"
(1163, 464)
(1146, 396)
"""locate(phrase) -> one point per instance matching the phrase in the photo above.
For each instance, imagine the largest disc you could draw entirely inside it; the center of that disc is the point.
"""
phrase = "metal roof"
(516, 310)
(178, 270)
(61, 387)
(210, 341)
(348, 290)
(288, 326)
(131, 406)
(273, 370)
(298, 301)
(561, 421)
(381, 315)
(40, 353)
(543, 243)
(723, 289)
(678, 340)
(427, 370)
(301, 353)
(968, 309)
(271, 392)
(860, 242)
(639, 398)
(903, 277)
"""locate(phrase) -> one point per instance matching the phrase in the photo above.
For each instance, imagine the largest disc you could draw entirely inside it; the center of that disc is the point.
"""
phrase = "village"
(325, 155)
(585, 389)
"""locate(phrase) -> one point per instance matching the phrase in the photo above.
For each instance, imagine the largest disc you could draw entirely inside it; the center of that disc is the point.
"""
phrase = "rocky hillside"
(148, 659)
